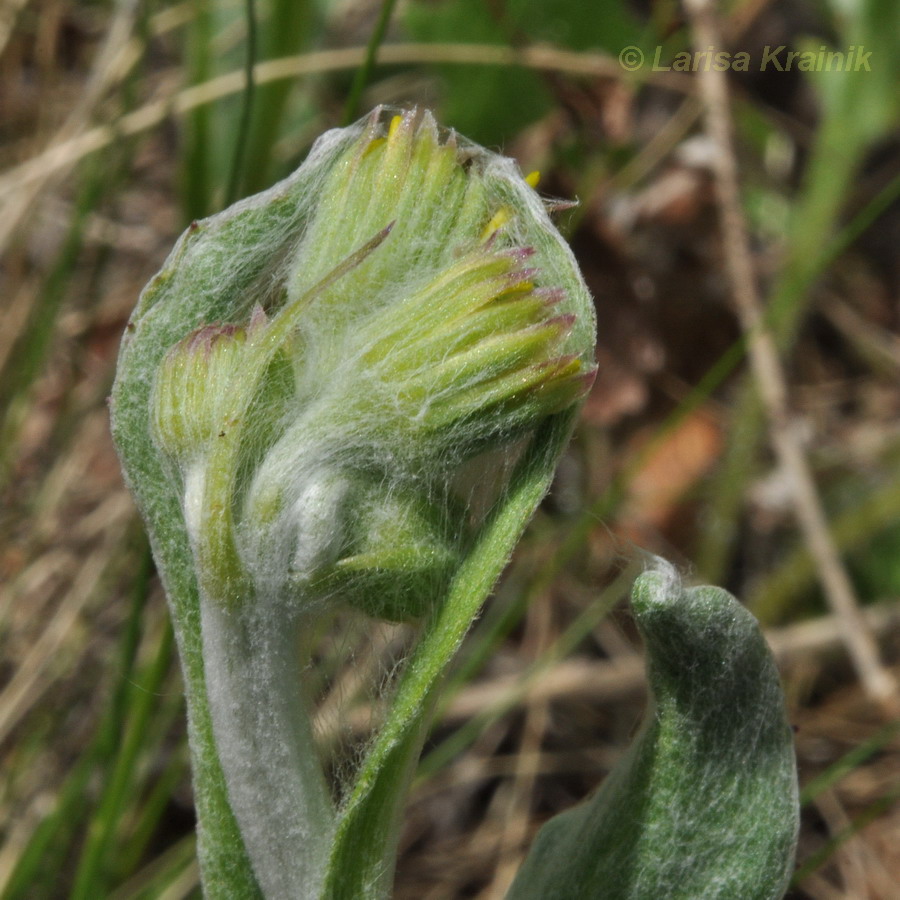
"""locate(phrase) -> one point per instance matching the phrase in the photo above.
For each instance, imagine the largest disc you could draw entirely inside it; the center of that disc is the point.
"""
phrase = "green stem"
(276, 786)
(224, 861)
(362, 859)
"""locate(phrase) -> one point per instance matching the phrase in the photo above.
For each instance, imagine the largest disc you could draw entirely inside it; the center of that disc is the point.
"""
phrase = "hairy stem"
(265, 745)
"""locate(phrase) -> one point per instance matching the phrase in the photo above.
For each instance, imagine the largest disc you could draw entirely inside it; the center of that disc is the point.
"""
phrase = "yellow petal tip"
(499, 219)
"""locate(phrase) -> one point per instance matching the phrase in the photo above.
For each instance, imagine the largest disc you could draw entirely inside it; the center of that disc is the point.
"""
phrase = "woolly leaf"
(705, 802)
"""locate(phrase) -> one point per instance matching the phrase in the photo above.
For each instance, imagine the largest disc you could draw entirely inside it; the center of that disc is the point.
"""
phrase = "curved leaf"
(705, 802)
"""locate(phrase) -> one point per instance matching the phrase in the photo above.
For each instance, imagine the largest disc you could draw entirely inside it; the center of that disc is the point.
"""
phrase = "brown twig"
(66, 150)
(767, 368)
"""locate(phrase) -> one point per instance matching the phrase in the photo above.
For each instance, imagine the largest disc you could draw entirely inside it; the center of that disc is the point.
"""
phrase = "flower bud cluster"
(428, 314)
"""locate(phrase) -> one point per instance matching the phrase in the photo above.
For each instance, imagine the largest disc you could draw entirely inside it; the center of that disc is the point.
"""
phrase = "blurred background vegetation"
(122, 121)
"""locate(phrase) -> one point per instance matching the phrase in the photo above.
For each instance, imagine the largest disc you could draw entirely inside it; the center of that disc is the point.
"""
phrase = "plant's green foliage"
(705, 803)
(348, 389)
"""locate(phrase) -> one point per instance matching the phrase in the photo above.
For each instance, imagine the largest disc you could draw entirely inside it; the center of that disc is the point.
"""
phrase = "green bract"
(350, 389)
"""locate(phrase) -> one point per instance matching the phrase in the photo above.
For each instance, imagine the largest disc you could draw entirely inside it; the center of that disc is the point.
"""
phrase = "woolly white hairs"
(338, 405)
(434, 346)
(339, 374)
(704, 804)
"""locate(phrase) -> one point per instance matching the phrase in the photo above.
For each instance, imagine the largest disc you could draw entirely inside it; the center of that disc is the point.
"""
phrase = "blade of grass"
(875, 510)
(463, 737)
(768, 372)
(850, 761)
(291, 27)
(364, 72)
(728, 487)
(30, 351)
(152, 808)
(195, 188)
(824, 853)
(239, 155)
(43, 856)
(164, 872)
(92, 874)
(112, 64)
(844, 136)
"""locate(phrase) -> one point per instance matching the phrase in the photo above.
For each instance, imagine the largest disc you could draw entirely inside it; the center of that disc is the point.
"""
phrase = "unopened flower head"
(470, 314)
(192, 402)
(420, 313)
